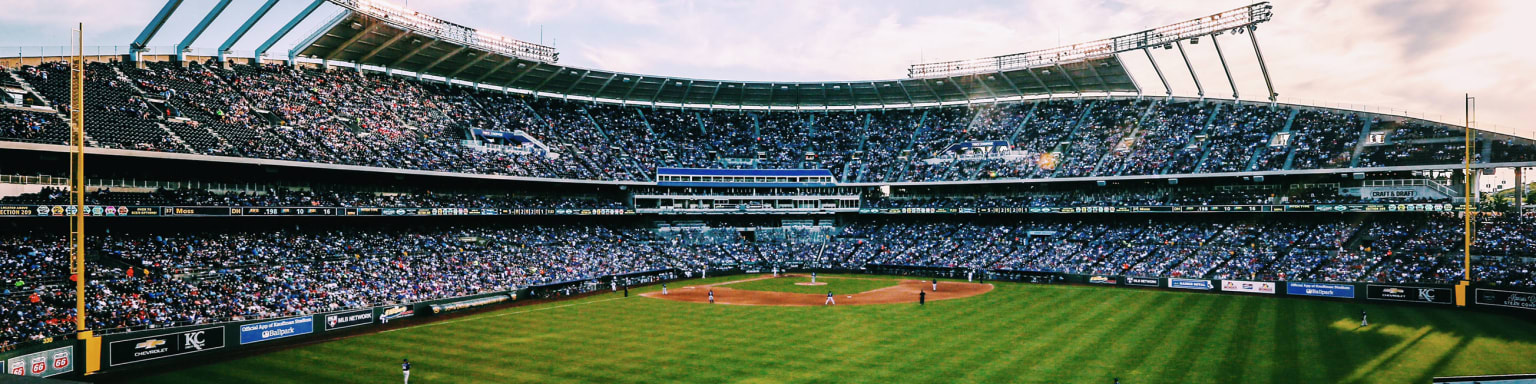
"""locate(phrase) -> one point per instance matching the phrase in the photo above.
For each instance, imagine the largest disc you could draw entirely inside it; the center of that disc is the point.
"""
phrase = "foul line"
(502, 314)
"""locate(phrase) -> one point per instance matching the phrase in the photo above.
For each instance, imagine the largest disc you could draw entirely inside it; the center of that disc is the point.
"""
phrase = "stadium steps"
(175, 137)
(1014, 135)
(27, 87)
(1135, 130)
(637, 172)
(1076, 124)
(1205, 147)
(1290, 157)
(848, 165)
(906, 165)
(1365, 133)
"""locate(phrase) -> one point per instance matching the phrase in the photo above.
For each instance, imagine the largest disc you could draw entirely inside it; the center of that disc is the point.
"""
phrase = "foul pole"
(1470, 117)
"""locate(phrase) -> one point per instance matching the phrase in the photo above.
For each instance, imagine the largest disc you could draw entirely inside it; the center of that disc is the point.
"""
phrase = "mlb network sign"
(276, 329)
(42, 364)
(348, 319)
(165, 345)
(1248, 286)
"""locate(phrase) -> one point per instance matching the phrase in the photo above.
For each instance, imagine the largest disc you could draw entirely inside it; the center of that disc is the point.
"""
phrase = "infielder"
(663, 288)
(935, 285)
(829, 299)
(711, 296)
(405, 368)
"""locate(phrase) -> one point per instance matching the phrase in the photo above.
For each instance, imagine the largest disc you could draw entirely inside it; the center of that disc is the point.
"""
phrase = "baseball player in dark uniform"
(829, 299)
(405, 368)
(922, 298)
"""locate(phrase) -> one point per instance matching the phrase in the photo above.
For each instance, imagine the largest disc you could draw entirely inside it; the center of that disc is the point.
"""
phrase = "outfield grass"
(1016, 333)
(838, 285)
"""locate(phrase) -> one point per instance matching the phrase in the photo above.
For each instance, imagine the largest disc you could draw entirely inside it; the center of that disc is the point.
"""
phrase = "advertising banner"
(161, 346)
(1189, 284)
(1142, 281)
(1343, 291)
(465, 304)
(1101, 279)
(348, 319)
(276, 329)
(43, 364)
(1511, 299)
(1263, 287)
(395, 312)
(1425, 295)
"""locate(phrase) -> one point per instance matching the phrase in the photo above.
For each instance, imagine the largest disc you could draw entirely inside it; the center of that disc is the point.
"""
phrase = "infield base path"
(905, 291)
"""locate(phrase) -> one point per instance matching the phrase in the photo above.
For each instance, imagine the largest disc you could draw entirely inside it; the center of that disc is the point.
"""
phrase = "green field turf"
(1016, 333)
(838, 285)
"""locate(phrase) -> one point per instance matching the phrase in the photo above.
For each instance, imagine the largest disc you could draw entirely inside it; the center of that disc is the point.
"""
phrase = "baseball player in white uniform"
(663, 288)
(405, 368)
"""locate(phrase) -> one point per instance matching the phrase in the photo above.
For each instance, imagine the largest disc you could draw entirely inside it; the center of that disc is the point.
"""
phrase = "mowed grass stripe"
(1017, 333)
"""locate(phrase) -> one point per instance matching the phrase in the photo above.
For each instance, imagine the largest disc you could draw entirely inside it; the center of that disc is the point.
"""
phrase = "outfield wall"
(130, 352)
(123, 354)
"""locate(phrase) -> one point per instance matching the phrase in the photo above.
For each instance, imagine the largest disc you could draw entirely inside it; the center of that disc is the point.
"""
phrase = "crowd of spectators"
(169, 277)
(346, 117)
(281, 197)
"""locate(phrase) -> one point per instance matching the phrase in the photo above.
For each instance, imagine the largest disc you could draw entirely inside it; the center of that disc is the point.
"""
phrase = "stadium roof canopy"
(378, 34)
(370, 40)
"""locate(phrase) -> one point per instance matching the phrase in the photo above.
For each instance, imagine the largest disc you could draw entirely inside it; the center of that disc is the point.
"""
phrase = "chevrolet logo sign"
(149, 344)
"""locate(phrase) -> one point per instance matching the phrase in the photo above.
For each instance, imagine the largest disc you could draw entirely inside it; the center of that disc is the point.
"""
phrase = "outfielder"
(829, 299)
(1362, 318)
(405, 368)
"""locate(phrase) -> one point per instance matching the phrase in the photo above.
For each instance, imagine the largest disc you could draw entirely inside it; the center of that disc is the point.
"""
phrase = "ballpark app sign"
(161, 346)
(1343, 291)
(43, 364)
(348, 319)
(1248, 286)
(1410, 294)
(276, 329)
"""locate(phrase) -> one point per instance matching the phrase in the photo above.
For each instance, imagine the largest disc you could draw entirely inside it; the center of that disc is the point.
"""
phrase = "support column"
(1224, 68)
(1199, 90)
(141, 42)
(1262, 67)
(1159, 71)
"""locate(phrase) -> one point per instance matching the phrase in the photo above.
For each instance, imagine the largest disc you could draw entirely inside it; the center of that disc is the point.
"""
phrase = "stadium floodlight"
(1247, 16)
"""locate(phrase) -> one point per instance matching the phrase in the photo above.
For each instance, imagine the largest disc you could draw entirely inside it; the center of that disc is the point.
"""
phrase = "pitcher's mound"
(810, 283)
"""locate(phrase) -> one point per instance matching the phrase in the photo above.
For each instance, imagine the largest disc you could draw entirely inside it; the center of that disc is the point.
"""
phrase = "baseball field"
(1011, 333)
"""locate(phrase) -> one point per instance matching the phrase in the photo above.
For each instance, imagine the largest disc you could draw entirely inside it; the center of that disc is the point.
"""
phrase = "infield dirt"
(904, 292)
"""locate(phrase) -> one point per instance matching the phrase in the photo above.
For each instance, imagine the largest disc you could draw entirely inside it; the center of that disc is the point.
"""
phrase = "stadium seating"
(347, 117)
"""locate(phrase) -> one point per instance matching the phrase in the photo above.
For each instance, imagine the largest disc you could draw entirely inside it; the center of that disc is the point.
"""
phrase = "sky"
(1397, 56)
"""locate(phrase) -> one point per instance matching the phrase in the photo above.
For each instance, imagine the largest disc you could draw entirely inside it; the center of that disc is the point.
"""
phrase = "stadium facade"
(491, 167)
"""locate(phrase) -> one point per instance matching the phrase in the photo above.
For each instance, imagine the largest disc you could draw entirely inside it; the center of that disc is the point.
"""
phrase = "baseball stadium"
(355, 191)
